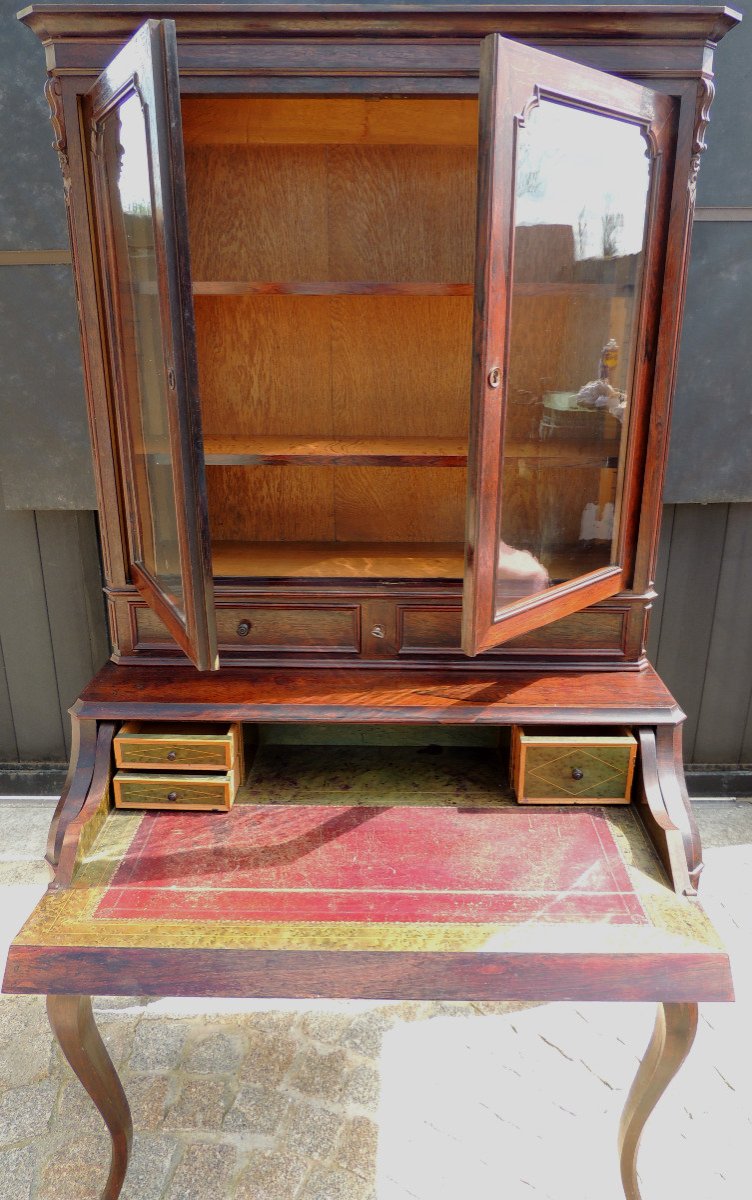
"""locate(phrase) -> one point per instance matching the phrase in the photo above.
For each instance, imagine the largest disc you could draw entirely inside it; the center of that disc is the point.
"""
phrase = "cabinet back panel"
(338, 504)
(359, 120)
(343, 366)
(266, 504)
(402, 212)
(258, 212)
(396, 213)
(342, 190)
(264, 365)
(401, 365)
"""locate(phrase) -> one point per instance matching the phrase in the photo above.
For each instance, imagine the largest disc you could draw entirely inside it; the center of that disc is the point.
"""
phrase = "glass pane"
(582, 182)
(127, 174)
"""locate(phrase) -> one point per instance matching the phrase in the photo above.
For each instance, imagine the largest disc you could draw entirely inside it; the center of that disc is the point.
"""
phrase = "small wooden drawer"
(335, 628)
(154, 790)
(550, 766)
(157, 745)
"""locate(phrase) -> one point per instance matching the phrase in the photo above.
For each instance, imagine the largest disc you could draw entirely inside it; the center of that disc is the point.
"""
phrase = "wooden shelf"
(373, 560)
(363, 452)
(338, 560)
(326, 287)
(377, 287)
(392, 452)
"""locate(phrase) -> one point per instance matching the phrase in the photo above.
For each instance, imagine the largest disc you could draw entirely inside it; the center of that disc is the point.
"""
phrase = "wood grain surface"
(359, 694)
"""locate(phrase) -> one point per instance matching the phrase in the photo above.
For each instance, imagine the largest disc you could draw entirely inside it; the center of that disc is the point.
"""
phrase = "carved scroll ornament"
(54, 94)
(704, 100)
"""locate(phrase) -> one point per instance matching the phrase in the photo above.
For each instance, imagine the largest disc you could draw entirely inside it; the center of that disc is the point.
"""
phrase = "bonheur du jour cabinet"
(379, 308)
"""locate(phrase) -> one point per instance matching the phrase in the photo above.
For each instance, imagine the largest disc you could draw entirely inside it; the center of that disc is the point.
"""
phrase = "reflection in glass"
(581, 193)
(126, 164)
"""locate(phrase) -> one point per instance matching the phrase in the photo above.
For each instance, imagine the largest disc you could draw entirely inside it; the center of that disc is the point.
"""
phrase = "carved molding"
(706, 92)
(54, 94)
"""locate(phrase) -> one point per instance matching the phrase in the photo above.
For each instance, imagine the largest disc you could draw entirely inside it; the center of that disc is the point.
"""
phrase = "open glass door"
(572, 189)
(140, 202)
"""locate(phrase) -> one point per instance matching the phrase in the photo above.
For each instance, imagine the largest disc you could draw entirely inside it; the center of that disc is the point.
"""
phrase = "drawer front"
(260, 627)
(154, 790)
(571, 770)
(174, 747)
(257, 627)
(426, 630)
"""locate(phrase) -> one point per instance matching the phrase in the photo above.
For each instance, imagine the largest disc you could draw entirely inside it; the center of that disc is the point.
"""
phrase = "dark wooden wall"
(52, 628)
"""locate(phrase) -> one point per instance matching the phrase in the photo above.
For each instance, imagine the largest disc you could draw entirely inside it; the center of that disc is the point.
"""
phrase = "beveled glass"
(582, 182)
(125, 150)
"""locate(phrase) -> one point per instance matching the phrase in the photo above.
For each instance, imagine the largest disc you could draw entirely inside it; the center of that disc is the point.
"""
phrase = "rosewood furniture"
(379, 311)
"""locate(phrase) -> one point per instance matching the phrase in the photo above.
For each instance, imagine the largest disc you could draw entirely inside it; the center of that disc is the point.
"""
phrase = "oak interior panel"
(265, 365)
(401, 365)
(393, 504)
(337, 504)
(356, 120)
(285, 504)
(402, 212)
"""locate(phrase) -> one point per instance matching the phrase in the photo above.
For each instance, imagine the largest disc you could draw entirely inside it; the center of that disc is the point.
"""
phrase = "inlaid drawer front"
(437, 629)
(289, 626)
(178, 747)
(334, 628)
(133, 789)
(553, 767)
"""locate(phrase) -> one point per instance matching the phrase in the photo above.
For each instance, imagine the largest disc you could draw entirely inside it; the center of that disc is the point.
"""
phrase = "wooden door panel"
(140, 212)
(567, 276)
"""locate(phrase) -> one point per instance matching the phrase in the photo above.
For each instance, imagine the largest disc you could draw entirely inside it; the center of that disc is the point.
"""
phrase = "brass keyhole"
(494, 377)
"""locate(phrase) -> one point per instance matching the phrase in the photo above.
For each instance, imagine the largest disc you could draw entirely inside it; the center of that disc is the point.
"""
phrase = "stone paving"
(362, 1101)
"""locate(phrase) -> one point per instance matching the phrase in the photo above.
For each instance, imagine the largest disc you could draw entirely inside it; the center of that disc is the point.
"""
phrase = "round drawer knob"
(171, 755)
(172, 795)
(378, 631)
(577, 773)
(244, 628)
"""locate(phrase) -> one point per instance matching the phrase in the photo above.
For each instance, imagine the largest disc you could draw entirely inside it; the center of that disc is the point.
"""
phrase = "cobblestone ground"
(354, 1101)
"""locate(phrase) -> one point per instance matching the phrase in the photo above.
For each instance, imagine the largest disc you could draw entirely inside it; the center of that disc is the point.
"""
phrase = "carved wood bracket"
(54, 95)
(705, 94)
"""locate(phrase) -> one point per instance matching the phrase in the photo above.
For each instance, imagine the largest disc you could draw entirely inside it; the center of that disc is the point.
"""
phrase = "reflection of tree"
(581, 234)
(530, 180)
(611, 224)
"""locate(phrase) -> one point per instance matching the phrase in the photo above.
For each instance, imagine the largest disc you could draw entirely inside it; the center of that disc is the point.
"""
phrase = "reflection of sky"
(575, 167)
(133, 183)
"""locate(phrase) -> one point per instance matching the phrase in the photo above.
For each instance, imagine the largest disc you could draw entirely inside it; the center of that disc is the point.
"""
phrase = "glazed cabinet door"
(575, 170)
(138, 174)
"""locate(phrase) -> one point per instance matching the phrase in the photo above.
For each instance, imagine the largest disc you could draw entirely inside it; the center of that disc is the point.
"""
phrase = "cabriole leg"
(73, 1024)
(674, 1033)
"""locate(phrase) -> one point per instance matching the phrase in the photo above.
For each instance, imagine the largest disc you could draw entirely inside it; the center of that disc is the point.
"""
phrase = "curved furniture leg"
(73, 1024)
(668, 741)
(69, 836)
(76, 786)
(674, 1033)
(666, 809)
